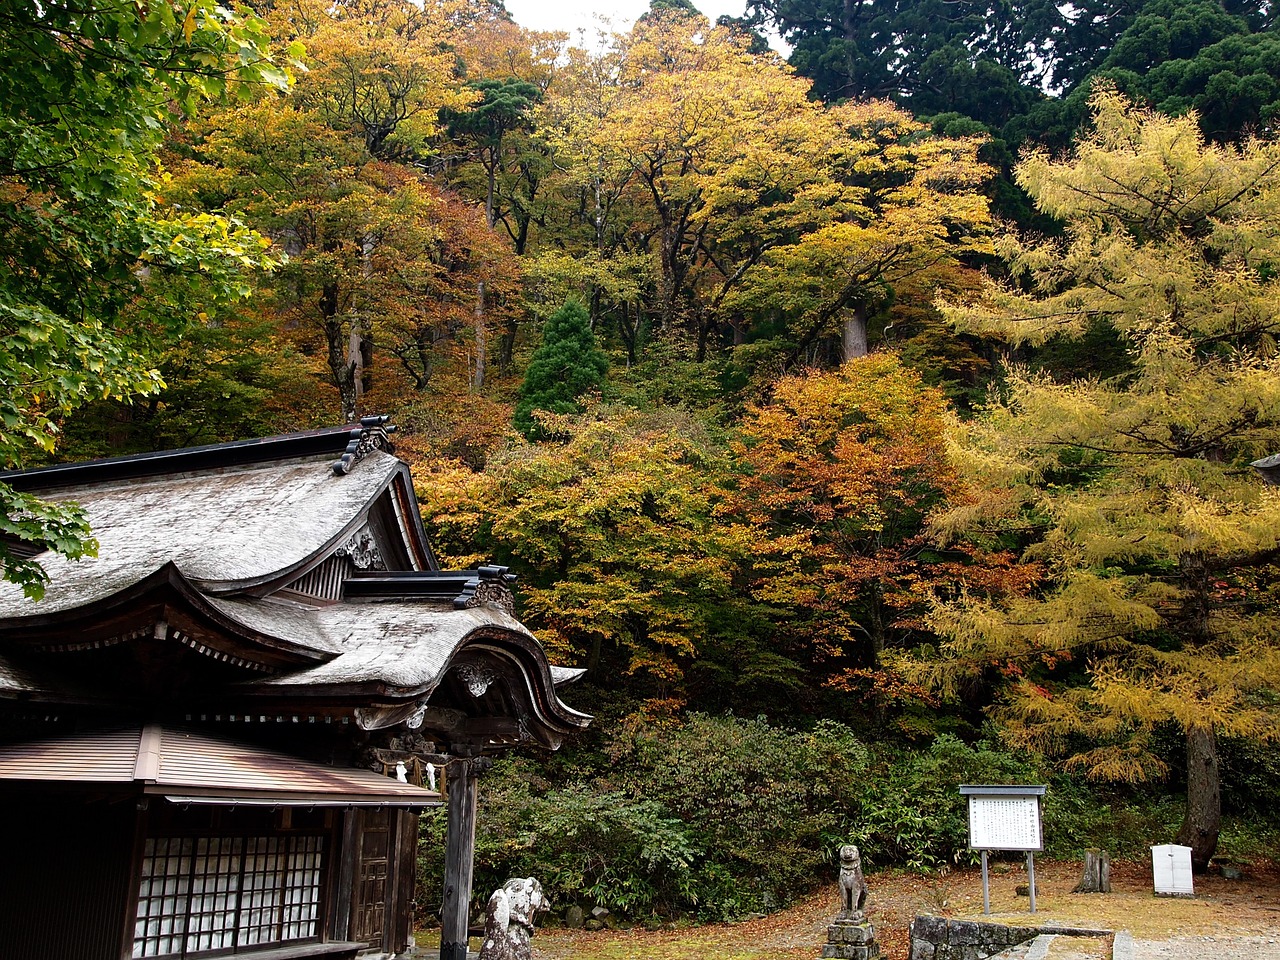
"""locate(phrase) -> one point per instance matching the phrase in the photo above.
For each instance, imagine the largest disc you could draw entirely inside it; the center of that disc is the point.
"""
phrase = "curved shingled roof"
(193, 545)
(225, 530)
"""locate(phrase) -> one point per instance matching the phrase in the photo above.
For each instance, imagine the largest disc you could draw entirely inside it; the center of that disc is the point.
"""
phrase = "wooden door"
(373, 879)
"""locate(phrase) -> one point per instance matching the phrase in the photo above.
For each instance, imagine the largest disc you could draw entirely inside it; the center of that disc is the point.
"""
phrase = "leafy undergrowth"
(1249, 906)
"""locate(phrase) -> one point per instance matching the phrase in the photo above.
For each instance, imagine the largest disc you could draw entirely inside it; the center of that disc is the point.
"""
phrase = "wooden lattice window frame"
(221, 894)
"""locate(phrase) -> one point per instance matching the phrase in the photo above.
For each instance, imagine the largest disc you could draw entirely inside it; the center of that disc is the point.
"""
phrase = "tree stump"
(1097, 873)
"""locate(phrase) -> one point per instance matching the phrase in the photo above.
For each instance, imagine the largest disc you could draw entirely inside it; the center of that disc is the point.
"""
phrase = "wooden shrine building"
(216, 735)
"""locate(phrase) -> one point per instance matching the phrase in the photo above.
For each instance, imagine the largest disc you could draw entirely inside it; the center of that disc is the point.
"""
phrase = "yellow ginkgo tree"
(1135, 491)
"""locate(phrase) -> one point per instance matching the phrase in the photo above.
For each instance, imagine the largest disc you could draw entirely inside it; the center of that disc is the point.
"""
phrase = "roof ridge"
(349, 443)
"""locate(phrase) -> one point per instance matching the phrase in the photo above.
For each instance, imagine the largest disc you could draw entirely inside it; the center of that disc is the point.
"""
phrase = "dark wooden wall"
(66, 878)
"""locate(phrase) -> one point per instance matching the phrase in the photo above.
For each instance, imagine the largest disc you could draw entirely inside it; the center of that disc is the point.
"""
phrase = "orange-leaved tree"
(839, 471)
(379, 258)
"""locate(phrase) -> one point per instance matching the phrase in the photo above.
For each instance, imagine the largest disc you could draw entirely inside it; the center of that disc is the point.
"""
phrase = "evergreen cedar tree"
(967, 65)
(566, 367)
(1159, 541)
(87, 248)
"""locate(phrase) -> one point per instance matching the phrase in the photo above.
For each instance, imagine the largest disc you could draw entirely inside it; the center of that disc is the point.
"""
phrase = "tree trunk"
(482, 346)
(1096, 877)
(358, 357)
(1204, 801)
(507, 343)
(338, 342)
(854, 335)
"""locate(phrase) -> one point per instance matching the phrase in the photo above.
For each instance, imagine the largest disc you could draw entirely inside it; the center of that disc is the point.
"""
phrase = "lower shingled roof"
(192, 767)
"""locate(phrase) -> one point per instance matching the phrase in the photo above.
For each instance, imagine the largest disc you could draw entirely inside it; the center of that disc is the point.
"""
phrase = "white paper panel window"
(200, 894)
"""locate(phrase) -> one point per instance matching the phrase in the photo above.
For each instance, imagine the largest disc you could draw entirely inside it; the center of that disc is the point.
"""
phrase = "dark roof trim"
(165, 585)
(343, 443)
(458, 586)
(1001, 790)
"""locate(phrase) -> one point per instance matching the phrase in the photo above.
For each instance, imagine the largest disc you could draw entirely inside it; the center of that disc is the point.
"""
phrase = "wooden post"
(1031, 878)
(344, 884)
(460, 845)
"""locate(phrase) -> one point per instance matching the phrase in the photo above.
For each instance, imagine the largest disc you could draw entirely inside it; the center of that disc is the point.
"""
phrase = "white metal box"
(1171, 866)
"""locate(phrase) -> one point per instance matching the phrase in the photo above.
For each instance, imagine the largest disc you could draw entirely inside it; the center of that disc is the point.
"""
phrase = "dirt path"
(1227, 919)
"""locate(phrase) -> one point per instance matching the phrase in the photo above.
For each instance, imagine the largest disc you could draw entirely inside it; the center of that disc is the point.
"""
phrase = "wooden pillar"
(459, 854)
(406, 862)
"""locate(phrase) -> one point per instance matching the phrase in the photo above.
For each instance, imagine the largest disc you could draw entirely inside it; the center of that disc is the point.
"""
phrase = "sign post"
(1005, 818)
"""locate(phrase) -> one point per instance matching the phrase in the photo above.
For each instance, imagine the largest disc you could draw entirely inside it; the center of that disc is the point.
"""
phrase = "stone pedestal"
(849, 939)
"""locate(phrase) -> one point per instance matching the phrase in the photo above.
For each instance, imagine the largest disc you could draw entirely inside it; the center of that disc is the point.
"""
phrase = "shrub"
(1079, 815)
(724, 816)
(596, 847)
(912, 814)
(719, 817)
(767, 804)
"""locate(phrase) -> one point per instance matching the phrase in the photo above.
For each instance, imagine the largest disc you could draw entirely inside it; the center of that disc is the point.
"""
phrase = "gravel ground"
(1208, 948)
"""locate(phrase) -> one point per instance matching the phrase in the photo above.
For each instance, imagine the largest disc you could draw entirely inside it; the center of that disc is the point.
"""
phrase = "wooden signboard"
(1005, 817)
(1005, 821)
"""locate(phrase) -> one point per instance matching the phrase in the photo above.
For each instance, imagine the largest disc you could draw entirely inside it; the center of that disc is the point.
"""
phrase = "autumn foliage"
(768, 411)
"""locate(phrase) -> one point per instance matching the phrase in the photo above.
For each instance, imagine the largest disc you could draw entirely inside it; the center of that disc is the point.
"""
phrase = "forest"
(865, 421)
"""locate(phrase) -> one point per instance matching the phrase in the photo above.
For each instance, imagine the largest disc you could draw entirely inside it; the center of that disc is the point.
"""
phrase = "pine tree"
(566, 366)
(1161, 543)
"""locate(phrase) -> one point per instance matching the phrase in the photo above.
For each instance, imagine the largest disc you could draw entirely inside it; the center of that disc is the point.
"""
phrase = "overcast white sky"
(574, 15)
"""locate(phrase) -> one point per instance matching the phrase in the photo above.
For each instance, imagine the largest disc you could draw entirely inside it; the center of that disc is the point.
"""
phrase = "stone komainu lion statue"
(853, 888)
(509, 918)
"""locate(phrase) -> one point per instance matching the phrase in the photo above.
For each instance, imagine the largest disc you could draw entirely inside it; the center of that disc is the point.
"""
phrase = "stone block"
(933, 929)
(574, 918)
(850, 951)
(845, 932)
(925, 950)
(963, 933)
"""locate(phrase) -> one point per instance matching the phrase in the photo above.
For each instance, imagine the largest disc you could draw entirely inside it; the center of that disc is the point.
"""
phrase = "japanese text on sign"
(1004, 823)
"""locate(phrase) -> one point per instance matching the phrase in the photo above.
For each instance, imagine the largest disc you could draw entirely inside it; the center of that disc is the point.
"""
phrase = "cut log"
(1097, 873)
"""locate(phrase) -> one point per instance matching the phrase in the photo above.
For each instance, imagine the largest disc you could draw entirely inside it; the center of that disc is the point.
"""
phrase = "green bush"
(608, 848)
(1121, 821)
(724, 816)
(911, 812)
(1250, 772)
(717, 818)
(767, 804)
